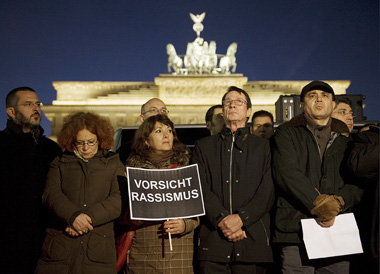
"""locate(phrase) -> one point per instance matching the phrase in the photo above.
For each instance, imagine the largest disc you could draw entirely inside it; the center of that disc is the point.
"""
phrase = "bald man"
(153, 107)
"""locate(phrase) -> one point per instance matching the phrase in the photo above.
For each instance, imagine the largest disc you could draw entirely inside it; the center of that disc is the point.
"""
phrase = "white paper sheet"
(340, 239)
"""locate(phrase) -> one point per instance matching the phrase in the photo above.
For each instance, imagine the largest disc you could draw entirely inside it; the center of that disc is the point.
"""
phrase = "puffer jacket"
(236, 179)
(299, 171)
(73, 187)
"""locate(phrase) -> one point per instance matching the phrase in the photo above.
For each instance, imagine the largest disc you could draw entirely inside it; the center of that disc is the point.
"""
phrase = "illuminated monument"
(198, 81)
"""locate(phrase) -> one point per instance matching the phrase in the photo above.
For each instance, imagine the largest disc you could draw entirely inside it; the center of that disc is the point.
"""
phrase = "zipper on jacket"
(231, 150)
(265, 230)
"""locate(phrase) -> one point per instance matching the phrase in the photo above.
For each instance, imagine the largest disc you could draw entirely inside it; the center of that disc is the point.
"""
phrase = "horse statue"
(211, 59)
(174, 61)
(229, 60)
(196, 54)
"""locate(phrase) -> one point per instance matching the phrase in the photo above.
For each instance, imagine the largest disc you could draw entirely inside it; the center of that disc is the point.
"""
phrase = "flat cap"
(317, 85)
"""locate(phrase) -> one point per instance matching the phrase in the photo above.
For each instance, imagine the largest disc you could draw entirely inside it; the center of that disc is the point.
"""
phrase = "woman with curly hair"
(82, 194)
(156, 146)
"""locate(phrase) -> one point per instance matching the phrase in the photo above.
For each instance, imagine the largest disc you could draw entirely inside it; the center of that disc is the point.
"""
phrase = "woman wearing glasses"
(82, 195)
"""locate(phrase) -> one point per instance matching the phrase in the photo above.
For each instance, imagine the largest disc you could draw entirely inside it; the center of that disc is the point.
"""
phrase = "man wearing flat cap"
(307, 154)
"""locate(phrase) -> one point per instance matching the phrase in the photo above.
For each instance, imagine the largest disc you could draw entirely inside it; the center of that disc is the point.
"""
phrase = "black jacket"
(363, 163)
(241, 184)
(298, 171)
(23, 168)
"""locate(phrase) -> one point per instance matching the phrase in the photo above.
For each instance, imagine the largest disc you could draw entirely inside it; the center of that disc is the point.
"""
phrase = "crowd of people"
(63, 205)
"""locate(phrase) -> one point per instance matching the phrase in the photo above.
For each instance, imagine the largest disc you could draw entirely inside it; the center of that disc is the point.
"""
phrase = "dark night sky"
(54, 40)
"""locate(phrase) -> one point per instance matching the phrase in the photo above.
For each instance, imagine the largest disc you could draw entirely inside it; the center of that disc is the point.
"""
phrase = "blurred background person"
(214, 119)
(156, 146)
(152, 107)
(262, 124)
(363, 164)
(82, 193)
(343, 111)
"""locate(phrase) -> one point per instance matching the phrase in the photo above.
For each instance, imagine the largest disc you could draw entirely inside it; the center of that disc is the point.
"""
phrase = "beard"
(26, 122)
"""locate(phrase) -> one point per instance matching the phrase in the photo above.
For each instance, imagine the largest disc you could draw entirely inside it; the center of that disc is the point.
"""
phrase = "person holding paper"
(234, 167)
(156, 146)
(82, 194)
(307, 155)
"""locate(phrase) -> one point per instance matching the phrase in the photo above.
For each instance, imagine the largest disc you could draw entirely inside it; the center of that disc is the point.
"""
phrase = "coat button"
(237, 181)
(227, 181)
(238, 254)
(228, 257)
(241, 151)
(84, 205)
(228, 150)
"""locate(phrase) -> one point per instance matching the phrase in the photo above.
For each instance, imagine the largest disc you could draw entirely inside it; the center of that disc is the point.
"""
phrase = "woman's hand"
(71, 231)
(82, 223)
(176, 226)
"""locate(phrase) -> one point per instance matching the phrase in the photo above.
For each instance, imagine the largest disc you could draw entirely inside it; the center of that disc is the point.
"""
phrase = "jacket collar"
(336, 125)
(102, 155)
(241, 135)
(239, 132)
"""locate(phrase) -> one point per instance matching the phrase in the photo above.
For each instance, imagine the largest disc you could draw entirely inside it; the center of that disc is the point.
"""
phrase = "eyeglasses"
(238, 102)
(346, 113)
(157, 111)
(30, 104)
(89, 143)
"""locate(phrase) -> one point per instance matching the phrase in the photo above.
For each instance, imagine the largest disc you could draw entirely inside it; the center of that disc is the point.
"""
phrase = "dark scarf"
(160, 159)
(321, 133)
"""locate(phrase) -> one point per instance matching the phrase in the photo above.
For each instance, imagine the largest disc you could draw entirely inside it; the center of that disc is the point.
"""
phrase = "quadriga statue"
(174, 61)
(229, 60)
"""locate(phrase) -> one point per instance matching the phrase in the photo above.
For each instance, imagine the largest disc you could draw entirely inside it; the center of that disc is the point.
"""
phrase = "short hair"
(96, 124)
(262, 113)
(139, 146)
(344, 100)
(233, 88)
(12, 98)
(210, 112)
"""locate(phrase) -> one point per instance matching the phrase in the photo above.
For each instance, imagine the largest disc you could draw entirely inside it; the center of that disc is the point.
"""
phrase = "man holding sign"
(234, 167)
